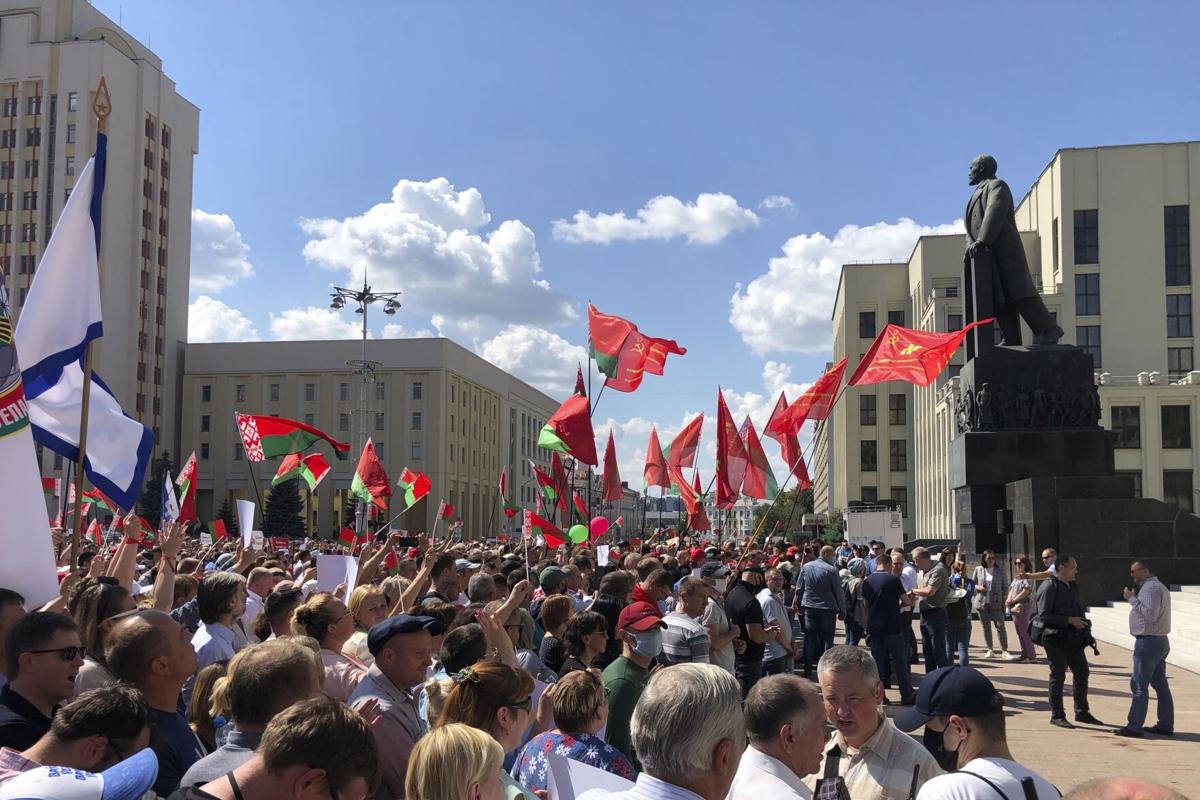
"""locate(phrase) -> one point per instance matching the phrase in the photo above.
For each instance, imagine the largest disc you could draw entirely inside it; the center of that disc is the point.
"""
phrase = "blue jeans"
(820, 628)
(933, 635)
(958, 636)
(1150, 671)
(894, 647)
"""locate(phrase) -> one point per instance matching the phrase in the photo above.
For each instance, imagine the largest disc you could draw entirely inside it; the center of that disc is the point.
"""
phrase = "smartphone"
(407, 541)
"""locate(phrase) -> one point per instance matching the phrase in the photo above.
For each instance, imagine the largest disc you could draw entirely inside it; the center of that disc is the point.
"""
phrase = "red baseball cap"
(640, 616)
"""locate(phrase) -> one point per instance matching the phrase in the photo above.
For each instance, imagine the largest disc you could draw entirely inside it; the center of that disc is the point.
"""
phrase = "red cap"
(413, 552)
(791, 551)
(640, 616)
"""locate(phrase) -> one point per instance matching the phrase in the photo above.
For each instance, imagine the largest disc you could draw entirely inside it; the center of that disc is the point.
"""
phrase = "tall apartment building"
(1107, 234)
(433, 407)
(52, 56)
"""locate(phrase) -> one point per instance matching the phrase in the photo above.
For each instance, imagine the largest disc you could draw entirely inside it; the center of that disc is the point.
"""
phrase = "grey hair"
(480, 588)
(779, 700)
(683, 714)
(920, 552)
(844, 657)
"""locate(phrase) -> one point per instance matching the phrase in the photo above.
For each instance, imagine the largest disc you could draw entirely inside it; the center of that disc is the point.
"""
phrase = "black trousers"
(1062, 658)
(1032, 309)
(747, 675)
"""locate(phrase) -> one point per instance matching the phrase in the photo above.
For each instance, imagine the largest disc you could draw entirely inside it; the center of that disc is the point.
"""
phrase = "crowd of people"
(463, 671)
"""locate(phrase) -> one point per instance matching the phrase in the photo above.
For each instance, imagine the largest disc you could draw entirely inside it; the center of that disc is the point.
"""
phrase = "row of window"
(8, 169)
(274, 392)
(1176, 425)
(33, 104)
(1179, 306)
(29, 201)
(897, 409)
(28, 233)
(866, 322)
(868, 457)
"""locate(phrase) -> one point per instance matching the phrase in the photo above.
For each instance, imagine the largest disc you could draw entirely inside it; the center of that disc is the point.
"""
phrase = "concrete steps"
(1110, 623)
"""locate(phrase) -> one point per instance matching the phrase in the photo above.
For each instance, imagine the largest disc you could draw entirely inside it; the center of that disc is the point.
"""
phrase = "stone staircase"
(1110, 623)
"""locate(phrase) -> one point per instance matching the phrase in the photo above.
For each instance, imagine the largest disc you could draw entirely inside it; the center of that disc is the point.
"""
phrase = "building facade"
(1107, 233)
(432, 406)
(53, 54)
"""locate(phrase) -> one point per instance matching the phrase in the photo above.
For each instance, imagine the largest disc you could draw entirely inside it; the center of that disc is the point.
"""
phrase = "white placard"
(332, 571)
(602, 555)
(256, 540)
(206, 538)
(245, 512)
(566, 778)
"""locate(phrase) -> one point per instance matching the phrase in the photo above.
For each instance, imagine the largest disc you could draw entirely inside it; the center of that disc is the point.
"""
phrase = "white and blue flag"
(61, 315)
(170, 504)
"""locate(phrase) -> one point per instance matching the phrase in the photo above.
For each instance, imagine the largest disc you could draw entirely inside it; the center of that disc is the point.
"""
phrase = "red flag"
(697, 515)
(759, 481)
(510, 509)
(535, 524)
(186, 481)
(558, 472)
(690, 493)
(445, 510)
(347, 536)
(681, 452)
(916, 357)
(94, 533)
(731, 456)
(579, 388)
(579, 506)
(569, 431)
(813, 404)
(789, 445)
(370, 483)
(623, 353)
(655, 471)
(612, 478)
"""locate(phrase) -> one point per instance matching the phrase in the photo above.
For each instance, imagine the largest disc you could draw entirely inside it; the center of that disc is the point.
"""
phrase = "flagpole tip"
(102, 105)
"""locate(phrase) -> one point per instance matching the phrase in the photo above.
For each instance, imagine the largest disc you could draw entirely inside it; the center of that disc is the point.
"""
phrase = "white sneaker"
(988, 654)
(1009, 656)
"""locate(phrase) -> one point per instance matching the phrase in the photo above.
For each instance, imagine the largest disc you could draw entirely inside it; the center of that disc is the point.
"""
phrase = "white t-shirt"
(1004, 774)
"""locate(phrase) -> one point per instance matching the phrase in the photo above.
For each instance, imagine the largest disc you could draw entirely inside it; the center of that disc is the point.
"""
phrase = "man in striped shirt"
(685, 641)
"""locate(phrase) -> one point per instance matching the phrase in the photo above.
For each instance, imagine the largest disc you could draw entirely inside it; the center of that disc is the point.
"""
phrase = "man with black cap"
(552, 580)
(640, 630)
(963, 706)
(747, 616)
(402, 646)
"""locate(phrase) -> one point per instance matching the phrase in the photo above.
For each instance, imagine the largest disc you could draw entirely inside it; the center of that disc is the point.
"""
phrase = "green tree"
(834, 530)
(282, 515)
(785, 514)
(149, 504)
(227, 516)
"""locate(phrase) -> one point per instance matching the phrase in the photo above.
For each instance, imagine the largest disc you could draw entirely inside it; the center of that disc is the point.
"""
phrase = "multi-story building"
(53, 54)
(1119, 281)
(737, 521)
(431, 406)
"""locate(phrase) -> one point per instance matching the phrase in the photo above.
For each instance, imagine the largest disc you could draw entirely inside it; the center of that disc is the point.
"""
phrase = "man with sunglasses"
(43, 655)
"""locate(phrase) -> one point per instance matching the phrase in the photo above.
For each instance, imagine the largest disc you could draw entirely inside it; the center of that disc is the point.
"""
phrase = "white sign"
(245, 512)
(256, 540)
(568, 778)
(206, 538)
(333, 571)
(601, 555)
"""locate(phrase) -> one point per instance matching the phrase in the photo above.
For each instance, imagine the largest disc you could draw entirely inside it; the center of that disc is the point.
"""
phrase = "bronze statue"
(991, 224)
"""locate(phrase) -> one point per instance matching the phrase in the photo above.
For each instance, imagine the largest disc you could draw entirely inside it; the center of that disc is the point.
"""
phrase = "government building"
(1107, 234)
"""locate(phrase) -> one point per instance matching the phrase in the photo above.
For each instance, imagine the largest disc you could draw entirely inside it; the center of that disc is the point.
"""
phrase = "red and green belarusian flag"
(569, 431)
(312, 468)
(217, 529)
(546, 484)
(580, 508)
(535, 525)
(415, 486)
(50, 487)
(266, 437)
(347, 537)
(186, 481)
(146, 534)
(759, 481)
(623, 353)
(510, 509)
(94, 533)
(445, 510)
(371, 484)
(96, 498)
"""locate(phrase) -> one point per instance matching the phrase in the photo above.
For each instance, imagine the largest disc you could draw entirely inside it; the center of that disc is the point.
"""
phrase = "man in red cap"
(639, 627)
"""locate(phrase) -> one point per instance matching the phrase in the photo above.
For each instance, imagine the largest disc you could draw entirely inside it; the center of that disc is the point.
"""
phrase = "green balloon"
(578, 534)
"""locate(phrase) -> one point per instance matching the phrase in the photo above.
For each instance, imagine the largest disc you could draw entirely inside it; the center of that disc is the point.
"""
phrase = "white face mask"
(721, 585)
(649, 643)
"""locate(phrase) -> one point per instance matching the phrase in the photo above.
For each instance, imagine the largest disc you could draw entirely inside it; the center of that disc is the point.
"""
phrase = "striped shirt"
(882, 769)
(685, 641)
(647, 787)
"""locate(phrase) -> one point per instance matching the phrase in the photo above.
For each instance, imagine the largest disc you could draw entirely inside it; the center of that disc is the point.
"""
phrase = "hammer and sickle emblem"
(910, 349)
(639, 347)
(893, 339)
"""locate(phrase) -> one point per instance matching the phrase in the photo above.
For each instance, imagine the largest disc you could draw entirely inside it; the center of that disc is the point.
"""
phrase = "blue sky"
(860, 114)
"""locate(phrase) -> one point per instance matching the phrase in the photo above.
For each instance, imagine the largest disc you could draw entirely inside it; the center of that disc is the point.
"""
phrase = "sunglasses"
(65, 653)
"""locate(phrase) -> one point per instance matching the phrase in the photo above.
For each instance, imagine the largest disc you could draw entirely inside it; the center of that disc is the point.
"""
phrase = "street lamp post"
(362, 367)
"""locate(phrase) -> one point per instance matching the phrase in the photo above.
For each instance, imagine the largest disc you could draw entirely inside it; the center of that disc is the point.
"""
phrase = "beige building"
(1107, 235)
(432, 407)
(52, 56)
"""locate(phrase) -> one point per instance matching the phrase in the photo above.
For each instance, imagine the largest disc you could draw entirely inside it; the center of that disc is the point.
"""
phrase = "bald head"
(135, 641)
(1122, 789)
(983, 167)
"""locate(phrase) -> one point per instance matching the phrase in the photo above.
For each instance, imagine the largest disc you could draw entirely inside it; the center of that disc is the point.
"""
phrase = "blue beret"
(381, 633)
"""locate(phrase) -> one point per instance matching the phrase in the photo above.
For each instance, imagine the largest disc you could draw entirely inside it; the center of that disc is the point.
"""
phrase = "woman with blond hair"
(326, 619)
(455, 762)
(369, 607)
(498, 699)
(580, 712)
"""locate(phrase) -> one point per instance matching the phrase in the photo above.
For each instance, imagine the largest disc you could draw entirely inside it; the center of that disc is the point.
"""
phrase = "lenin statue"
(992, 227)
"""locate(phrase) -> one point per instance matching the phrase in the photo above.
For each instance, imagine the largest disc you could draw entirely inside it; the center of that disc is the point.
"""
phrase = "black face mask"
(935, 743)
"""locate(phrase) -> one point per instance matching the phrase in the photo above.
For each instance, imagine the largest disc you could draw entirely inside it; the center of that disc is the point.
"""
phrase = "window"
(896, 318)
(29, 232)
(344, 392)
(33, 105)
(8, 138)
(274, 392)
(72, 101)
(416, 451)
(1054, 243)
(452, 423)
(206, 393)
(1178, 243)
(239, 393)
(6, 170)
(416, 420)
(31, 168)
(1176, 427)
(33, 137)
(418, 390)
(310, 392)
(10, 107)
(898, 455)
(239, 452)
(870, 494)
(1177, 488)
(1087, 236)
(310, 419)
(1127, 425)
(1179, 362)
(866, 324)
(380, 451)
(1179, 315)
(1087, 295)
(343, 422)
(868, 455)
(166, 137)
(149, 128)
(204, 451)
(70, 166)
(71, 133)
(378, 421)
(900, 496)
(451, 393)
(205, 423)
(29, 201)
(1136, 474)
(1087, 338)
(27, 264)
(381, 392)
(866, 409)
(6, 201)
(148, 158)
(954, 322)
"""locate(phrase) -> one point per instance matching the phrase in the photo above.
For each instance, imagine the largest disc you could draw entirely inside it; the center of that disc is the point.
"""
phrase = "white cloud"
(708, 220)
(219, 257)
(211, 320)
(428, 241)
(775, 202)
(788, 308)
(537, 356)
(299, 324)
(394, 330)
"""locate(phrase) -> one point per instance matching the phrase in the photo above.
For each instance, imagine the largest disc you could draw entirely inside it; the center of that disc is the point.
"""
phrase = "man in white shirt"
(785, 723)
(1150, 626)
(964, 706)
(258, 586)
(778, 651)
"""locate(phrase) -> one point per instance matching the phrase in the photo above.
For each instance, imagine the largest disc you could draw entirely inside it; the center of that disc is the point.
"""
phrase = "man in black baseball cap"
(963, 706)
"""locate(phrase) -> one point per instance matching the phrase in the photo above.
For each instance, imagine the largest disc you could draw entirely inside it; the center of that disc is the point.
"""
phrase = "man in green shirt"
(640, 630)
